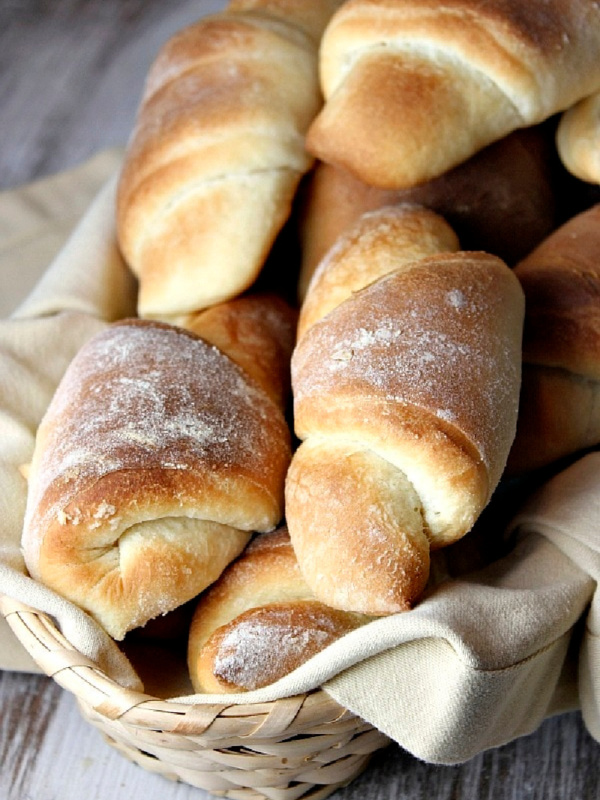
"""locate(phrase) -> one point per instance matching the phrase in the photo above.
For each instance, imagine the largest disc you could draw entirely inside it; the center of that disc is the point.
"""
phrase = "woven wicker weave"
(298, 747)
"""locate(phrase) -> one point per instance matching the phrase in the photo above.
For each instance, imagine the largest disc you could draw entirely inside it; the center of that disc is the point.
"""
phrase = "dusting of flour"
(149, 396)
(441, 344)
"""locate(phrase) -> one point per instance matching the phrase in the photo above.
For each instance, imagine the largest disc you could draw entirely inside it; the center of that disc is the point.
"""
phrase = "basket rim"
(102, 695)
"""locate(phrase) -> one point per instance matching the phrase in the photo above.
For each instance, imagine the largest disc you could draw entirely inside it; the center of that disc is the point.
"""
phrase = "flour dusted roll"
(560, 403)
(217, 152)
(260, 621)
(414, 87)
(156, 460)
(256, 331)
(405, 399)
(379, 242)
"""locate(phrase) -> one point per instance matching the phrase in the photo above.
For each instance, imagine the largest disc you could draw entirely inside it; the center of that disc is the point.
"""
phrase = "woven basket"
(305, 746)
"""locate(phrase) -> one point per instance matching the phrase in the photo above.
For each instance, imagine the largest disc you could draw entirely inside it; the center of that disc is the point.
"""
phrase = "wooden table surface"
(70, 81)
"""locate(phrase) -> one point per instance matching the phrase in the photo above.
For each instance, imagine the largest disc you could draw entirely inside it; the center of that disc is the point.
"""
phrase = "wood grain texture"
(71, 73)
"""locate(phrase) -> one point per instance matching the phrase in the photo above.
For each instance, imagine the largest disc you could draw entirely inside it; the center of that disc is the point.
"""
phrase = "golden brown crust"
(561, 281)
(358, 529)
(559, 415)
(310, 17)
(150, 435)
(399, 156)
(480, 70)
(258, 333)
(263, 645)
(405, 399)
(501, 200)
(403, 340)
(559, 411)
(379, 242)
(259, 621)
(578, 139)
(216, 155)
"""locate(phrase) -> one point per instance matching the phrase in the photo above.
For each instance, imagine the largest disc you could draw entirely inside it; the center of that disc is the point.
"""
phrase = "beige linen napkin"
(37, 219)
(567, 512)
(80, 283)
(482, 659)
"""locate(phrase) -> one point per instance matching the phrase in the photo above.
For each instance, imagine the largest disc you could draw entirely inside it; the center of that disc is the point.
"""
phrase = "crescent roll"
(415, 87)
(405, 401)
(157, 459)
(217, 152)
(260, 621)
(560, 400)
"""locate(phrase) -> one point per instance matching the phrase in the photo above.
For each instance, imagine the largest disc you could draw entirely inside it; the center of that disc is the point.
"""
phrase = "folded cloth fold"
(82, 285)
(36, 219)
(566, 511)
(482, 659)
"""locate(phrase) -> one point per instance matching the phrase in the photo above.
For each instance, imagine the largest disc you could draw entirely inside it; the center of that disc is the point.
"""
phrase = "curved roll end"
(263, 644)
(260, 621)
(578, 139)
(357, 528)
(221, 241)
(380, 241)
(377, 122)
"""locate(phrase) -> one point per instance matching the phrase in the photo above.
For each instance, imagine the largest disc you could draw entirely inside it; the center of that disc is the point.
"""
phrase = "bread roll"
(578, 139)
(257, 332)
(217, 152)
(501, 200)
(156, 460)
(259, 621)
(379, 242)
(560, 404)
(414, 87)
(405, 400)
